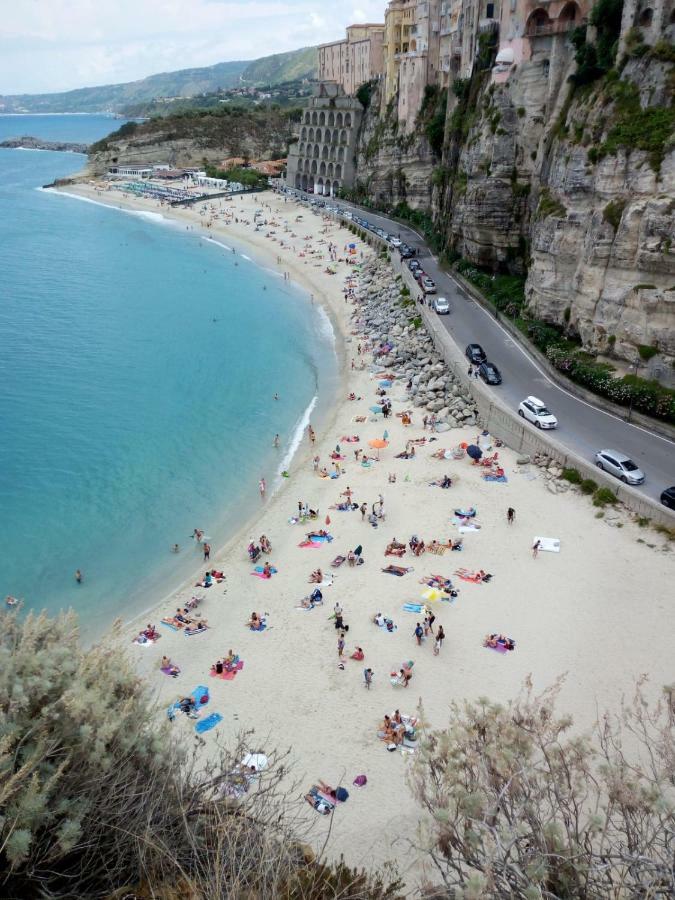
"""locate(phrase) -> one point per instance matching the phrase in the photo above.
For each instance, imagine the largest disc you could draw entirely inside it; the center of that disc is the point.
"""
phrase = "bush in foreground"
(519, 808)
(97, 799)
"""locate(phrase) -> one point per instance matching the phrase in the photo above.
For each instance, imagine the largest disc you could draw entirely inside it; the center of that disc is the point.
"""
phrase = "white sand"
(598, 610)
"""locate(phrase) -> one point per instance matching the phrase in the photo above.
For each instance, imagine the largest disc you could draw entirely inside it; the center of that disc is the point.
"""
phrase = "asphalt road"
(582, 427)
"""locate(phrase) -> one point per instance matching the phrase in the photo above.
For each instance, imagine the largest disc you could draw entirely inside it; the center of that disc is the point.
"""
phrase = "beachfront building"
(411, 56)
(143, 170)
(355, 59)
(321, 159)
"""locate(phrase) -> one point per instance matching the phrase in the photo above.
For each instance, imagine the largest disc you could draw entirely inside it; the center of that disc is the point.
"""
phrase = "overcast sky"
(56, 45)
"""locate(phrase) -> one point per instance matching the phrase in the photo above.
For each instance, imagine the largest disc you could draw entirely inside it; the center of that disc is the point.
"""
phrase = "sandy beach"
(598, 610)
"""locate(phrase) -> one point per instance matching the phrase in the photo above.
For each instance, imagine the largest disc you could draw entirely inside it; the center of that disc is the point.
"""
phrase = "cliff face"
(393, 167)
(190, 139)
(575, 187)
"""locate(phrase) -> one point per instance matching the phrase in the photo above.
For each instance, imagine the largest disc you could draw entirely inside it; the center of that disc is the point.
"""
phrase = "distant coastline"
(26, 142)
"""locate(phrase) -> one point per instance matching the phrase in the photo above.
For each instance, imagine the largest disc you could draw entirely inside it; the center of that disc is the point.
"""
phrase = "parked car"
(428, 285)
(475, 354)
(406, 251)
(347, 214)
(535, 411)
(490, 373)
(395, 241)
(442, 306)
(414, 265)
(619, 465)
(668, 497)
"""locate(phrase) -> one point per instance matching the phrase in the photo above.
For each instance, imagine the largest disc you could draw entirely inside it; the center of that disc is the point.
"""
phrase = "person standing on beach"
(368, 677)
(510, 515)
(535, 549)
(316, 462)
(341, 645)
(312, 436)
(364, 510)
(207, 550)
(440, 637)
(262, 487)
(419, 631)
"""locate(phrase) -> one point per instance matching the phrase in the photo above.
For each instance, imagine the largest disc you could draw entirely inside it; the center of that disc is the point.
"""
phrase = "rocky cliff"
(194, 137)
(572, 185)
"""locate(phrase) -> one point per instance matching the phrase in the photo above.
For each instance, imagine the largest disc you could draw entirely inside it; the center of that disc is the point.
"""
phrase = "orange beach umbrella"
(378, 444)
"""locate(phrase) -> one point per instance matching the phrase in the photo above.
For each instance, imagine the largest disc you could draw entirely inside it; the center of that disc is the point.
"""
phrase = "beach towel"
(502, 479)
(337, 562)
(189, 632)
(551, 545)
(413, 608)
(200, 695)
(261, 627)
(360, 781)
(171, 623)
(143, 641)
(173, 671)
(464, 529)
(399, 571)
(208, 723)
(309, 545)
(259, 572)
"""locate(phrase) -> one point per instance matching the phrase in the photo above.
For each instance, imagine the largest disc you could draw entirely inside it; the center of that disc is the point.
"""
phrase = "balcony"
(538, 28)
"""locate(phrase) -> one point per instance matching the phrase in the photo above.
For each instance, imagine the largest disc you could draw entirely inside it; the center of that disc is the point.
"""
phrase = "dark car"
(414, 266)
(406, 252)
(475, 354)
(490, 373)
(668, 497)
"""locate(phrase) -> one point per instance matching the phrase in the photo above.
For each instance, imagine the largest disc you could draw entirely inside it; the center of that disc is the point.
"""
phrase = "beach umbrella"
(352, 246)
(474, 452)
(378, 444)
(257, 760)
(432, 594)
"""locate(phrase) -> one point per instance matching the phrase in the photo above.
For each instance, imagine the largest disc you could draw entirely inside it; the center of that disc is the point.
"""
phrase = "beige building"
(355, 59)
(411, 54)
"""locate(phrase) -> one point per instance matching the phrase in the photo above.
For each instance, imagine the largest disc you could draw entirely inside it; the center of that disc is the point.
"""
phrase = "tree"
(97, 796)
(519, 807)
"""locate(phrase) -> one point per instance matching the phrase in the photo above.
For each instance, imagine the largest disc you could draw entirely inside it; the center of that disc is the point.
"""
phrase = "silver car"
(619, 465)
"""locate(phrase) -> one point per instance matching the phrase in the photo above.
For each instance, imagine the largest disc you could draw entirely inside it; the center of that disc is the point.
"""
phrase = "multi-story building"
(450, 41)
(411, 55)
(321, 160)
(353, 60)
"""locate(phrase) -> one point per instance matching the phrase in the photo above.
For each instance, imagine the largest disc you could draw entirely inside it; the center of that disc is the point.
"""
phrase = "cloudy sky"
(55, 45)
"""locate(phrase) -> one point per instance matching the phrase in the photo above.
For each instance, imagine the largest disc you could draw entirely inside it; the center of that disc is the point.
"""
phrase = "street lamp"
(635, 364)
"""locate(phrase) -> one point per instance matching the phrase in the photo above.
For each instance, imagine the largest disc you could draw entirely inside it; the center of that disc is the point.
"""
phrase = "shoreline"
(586, 611)
(262, 257)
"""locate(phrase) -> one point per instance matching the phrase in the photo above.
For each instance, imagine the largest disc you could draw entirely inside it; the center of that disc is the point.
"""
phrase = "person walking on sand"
(312, 436)
(368, 677)
(440, 637)
(535, 549)
(341, 645)
(364, 510)
(207, 550)
(419, 631)
(510, 515)
(262, 487)
(78, 576)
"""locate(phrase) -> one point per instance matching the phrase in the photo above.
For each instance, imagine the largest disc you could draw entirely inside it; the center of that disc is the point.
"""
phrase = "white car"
(428, 286)
(442, 306)
(535, 411)
(395, 242)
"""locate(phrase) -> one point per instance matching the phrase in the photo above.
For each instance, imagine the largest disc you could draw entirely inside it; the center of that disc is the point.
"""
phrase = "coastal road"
(582, 427)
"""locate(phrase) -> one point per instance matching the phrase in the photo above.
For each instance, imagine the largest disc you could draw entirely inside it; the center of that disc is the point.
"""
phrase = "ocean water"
(138, 366)
(78, 129)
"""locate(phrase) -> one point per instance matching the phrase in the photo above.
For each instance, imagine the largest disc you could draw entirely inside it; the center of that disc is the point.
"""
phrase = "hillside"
(115, 98)
(196, 137)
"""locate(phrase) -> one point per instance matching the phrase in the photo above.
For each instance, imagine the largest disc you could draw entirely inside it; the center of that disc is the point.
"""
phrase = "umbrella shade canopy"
(432, 594)
(378, 443)
(259, 760)
(474, 452)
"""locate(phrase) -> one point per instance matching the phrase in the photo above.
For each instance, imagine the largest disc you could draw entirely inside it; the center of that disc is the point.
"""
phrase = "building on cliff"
(411, 55)
(321, 159)
(355, 59)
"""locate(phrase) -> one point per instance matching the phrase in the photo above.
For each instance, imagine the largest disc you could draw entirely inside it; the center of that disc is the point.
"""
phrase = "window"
(490, 11)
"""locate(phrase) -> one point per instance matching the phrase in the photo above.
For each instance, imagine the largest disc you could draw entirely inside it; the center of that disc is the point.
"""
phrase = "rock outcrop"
(33, 143)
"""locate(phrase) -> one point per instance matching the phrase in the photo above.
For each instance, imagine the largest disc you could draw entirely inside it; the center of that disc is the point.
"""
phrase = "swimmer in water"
(276, 440)
(276, 396)
(78, 576)
(175, 548)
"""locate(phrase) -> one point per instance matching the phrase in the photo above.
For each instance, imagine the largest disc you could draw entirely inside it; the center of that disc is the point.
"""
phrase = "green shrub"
(643, 521)
(603, 496)
(613, 212)
(572, 475)
(588, 486)
(646, 352)
(521, 112)
(550, 206)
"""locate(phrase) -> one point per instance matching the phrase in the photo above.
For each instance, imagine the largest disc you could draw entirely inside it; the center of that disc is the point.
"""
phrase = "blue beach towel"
(502, 479)
(413, 607)
(208, 723)
(260, 569)
(199, 692)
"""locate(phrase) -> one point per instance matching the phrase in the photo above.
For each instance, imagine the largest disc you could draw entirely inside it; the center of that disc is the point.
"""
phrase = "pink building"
(353, 60)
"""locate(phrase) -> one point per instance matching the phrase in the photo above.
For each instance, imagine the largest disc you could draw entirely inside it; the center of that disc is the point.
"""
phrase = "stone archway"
(336, 188)
(343, 137)
(331, 119)
(330, 170)
(324, 152)
(538, 24)
(298, 181)
(322, 168)
(341, 154)
(315, 119)
(338, 120)
(317, 134)
(348, 120)
(338, 170)
(304, 182)
(570, 15)
(316, 151)
(322, 118)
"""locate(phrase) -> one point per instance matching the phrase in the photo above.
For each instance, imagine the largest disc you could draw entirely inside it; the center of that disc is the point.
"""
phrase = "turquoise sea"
(138, 366)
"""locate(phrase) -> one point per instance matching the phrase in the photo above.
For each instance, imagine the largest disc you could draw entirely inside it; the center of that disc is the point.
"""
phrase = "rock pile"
(382, 317)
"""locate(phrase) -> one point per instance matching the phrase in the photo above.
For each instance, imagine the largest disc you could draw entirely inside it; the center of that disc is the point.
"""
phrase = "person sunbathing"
(358, 654)
(267, 571)
(150, 632)
(419, 548)
(254, 622)
(316, 577)
(484, 576)
(315, 534)
(396, 570)
(499, 640)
